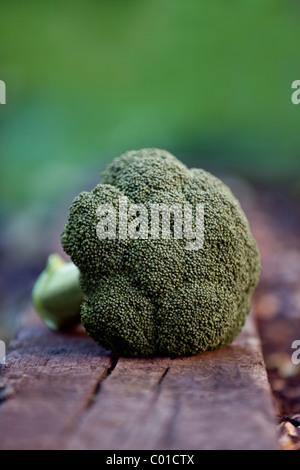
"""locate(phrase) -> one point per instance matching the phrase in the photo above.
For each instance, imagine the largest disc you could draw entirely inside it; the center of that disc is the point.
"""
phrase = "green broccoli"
(153, 297)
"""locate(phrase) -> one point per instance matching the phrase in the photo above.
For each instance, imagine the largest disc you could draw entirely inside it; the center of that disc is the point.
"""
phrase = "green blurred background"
(86, 81)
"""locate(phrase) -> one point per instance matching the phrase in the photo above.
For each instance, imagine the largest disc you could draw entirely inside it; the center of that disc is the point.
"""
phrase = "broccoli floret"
(153, 297)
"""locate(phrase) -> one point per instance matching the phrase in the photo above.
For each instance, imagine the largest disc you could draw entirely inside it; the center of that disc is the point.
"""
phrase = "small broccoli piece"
(57, 295)
(153, 297)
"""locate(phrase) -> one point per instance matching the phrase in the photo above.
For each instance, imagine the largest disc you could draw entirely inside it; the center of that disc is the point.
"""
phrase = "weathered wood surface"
(61, 391)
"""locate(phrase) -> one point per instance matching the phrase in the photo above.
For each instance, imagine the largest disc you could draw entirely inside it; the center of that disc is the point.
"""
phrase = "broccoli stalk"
(57, 295)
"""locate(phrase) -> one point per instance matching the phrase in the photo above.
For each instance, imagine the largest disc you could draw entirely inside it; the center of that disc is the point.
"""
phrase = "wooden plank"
(53, 377)
(218, 400)
(69, 394)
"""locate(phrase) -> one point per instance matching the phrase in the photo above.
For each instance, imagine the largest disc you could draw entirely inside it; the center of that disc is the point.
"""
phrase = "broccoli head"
(151, 296)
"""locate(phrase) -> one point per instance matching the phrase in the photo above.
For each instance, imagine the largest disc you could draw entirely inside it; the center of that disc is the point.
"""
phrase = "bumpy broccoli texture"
(150, 298)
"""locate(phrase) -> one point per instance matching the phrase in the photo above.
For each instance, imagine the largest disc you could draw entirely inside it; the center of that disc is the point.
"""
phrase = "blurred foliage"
(209, 81)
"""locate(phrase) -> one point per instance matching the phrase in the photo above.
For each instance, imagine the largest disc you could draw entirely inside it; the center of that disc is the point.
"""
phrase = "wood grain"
(67, 393)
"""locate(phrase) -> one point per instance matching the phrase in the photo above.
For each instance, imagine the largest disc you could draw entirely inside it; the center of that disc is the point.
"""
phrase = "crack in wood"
(74, 423)
(97, 389)
(163, 375)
